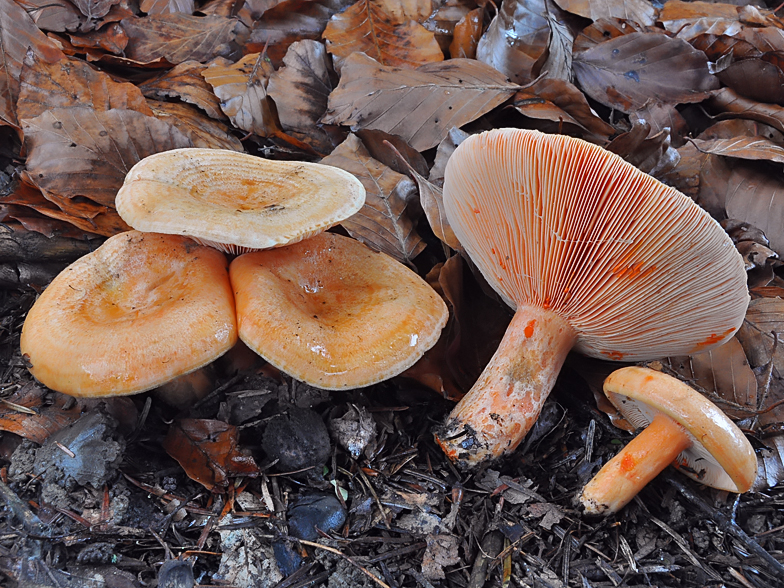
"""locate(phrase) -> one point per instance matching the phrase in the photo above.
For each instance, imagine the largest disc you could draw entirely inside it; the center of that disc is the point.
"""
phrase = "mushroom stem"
(622, 478)
(503, 404)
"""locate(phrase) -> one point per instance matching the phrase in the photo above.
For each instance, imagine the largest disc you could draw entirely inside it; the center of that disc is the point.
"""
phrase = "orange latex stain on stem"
(529, 328)
(627, 463)
(615, 355)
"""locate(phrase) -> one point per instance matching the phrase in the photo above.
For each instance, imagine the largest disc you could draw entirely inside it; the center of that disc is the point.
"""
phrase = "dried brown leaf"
(208, 452)
(71, 82)
(202, 130)
(635, 10)
(393, 38)
(755, 78)
(242, 90)
(18, 35)
(83, 152)
(182, 37)
(383, 222)
(730, 103)
(94, 9)
(441, 550)
(755, 147)
(54, 15)
(628, 71)
(167, 6)
(184, 81)
(300, 90)
(466, 35)
(419, 105)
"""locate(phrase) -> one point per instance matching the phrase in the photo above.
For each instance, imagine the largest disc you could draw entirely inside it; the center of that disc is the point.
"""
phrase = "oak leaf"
(383, 223)
(420, 105)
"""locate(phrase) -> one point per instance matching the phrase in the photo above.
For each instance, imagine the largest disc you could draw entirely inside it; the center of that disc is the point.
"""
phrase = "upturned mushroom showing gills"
(331, 312)
(593, 255)
(679, 427)
(137, 312)
(235, 201)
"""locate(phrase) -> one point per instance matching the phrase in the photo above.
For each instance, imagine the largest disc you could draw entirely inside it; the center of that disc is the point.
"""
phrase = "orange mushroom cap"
(715, 452)
(137, 312)
(235, 201)
(331, 312)
(594, 255)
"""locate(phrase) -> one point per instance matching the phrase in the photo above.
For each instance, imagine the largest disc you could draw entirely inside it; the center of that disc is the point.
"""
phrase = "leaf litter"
(266, 481)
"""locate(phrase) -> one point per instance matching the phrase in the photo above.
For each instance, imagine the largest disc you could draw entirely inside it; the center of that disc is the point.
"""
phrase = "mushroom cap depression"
(331, 312)
(137, 312)
(235, 201)
(720, 455)
(636, 268)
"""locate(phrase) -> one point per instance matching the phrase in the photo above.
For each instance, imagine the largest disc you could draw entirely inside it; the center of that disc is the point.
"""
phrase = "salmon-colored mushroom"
(235, 201)
(680, 427)
(331, 312)
(593, 255)
(137, 312)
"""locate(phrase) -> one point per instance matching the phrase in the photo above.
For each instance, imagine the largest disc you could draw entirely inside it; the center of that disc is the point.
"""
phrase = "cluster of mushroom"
(593, 255)
(152, 304)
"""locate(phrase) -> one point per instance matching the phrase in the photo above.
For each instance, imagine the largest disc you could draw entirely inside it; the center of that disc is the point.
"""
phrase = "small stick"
(377, 580)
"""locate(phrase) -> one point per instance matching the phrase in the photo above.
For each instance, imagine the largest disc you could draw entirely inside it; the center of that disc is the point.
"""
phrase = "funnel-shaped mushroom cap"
(135, 313)
(635, 267)
(234, 201)
(331, 312)
(720, 456)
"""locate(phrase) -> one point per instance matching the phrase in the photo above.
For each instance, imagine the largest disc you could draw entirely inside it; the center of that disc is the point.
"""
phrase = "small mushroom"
(137, 312)
(331, 312)
(681, 427)
(235, 201)
(593, 255)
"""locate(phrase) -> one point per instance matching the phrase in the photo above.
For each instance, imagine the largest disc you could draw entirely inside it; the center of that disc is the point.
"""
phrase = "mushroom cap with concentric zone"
(720, 455)
(635, 267)
(235, 201)
(137, 312)
(331, 312)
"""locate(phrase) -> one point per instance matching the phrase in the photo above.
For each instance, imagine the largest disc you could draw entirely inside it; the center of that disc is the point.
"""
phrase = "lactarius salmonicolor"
(333, 313)
(234, 201)
(679, 427)
(593, 255)
(134, 314)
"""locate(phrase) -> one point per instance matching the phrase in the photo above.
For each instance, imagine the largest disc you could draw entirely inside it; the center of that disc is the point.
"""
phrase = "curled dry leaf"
(727, 101)
(167, 6)
(649, 153)
(756, 147)
(83, 152)
(760, 78)
(386, 31)
(208, 452)
(242, 90)
(71, 82)
(516, 41)
(19, 35)
(661, 117)
(420, 105)
(201, 130)
(185, 82)
(95, 9)
(634, 10)
(383, 222)
(628, 71)
(57, 16)
(181, 37)
(466, 35)
(300, 90)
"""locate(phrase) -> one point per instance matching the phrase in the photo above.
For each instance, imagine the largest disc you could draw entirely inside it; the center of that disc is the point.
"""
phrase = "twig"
(372, 576)
(726, 524)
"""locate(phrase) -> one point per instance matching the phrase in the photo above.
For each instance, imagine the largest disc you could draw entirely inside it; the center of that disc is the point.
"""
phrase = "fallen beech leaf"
(419, 105)
(167, 6)
(184, 81)
(559, 101)
(743, 148)
(466, 35)
(516, 41)
(71, 82)
(393, 152)
(385, 31)
(676, 15)
(444, 151)
(729, 102)
(383, 222)
(755, 78)
(635, 10)
(111, 38)
(54, 15)
(79, 151)
(182, 37)
(444, 18)
(94, 9)
(605, 29)
(661, 117)
(18, 35)
(242, 90)
(628, 71)
(649, 153)
(300, 90)
(290, 21)
(201, 130)
(207, 450)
